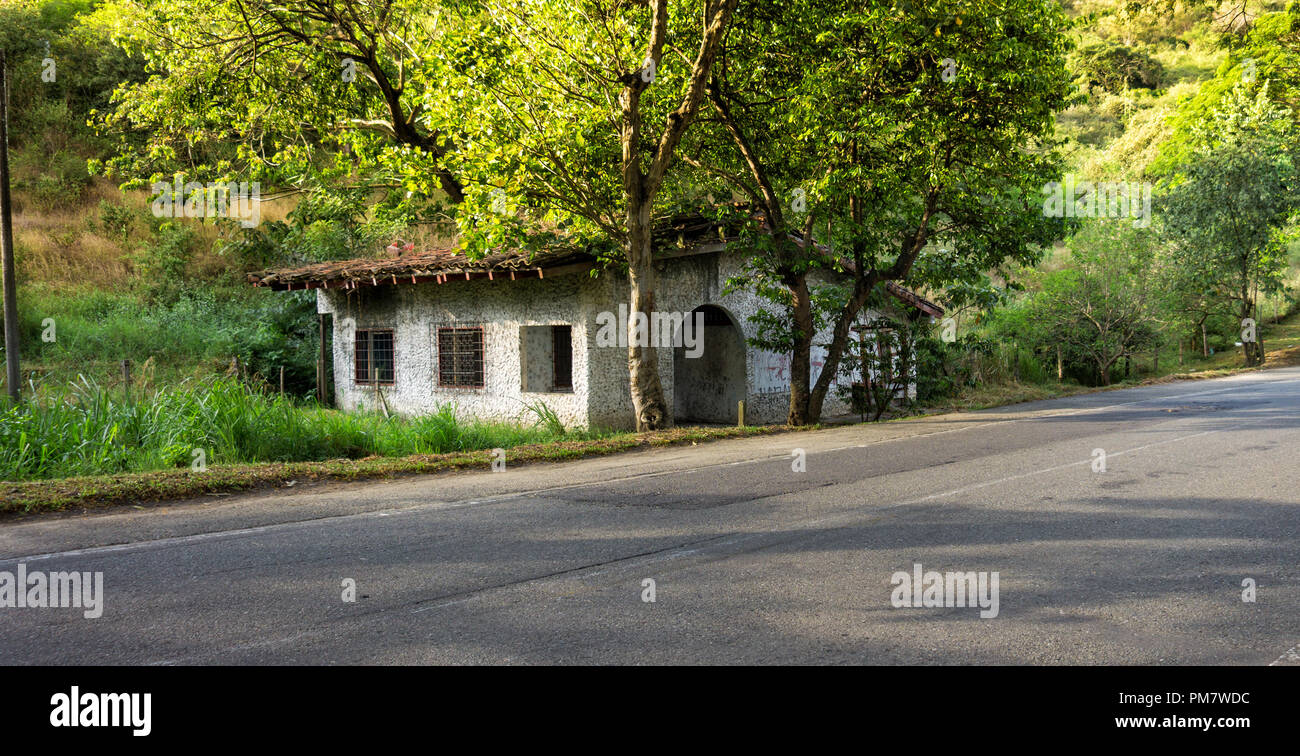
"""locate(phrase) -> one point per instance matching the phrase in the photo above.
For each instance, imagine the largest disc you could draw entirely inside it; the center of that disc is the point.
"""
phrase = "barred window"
(374, 352)
(562, 357)
(460, 357)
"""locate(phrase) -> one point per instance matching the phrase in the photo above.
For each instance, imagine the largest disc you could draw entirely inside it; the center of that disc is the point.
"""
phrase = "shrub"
(163, 265)
(1115, 67)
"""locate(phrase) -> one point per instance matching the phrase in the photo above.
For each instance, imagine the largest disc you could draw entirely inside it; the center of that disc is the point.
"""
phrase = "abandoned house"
(415, 331)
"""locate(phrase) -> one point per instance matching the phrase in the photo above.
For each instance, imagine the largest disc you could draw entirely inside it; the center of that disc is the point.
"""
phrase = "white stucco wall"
(600, 395)
(415, 312)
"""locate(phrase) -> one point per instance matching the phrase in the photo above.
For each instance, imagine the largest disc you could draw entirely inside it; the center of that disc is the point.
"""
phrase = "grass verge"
(132, 488)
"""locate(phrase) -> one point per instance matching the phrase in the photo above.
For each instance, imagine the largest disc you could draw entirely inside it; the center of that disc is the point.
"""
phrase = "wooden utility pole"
(7, 242)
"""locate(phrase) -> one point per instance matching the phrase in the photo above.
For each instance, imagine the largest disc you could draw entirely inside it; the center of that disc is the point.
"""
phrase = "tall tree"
(748, 142)
(917, 121)
(1229, 206)
(569, 138)
(292, 89)
(1103, 308)
(958, 154)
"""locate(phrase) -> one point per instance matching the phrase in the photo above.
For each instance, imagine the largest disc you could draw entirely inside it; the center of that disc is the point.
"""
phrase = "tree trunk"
(643, 360)
(1251, 349)
(640, 185)
(839, 338)
(801, 360)
(863, 284)
(647, 391)
(1259, 337)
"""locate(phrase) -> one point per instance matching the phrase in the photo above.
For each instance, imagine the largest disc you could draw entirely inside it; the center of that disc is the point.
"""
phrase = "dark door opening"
(708, 387)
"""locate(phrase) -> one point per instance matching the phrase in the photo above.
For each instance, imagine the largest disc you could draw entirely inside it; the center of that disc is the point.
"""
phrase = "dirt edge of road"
(47, 497)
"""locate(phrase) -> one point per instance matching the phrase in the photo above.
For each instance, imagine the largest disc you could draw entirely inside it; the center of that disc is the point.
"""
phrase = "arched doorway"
(708, 386)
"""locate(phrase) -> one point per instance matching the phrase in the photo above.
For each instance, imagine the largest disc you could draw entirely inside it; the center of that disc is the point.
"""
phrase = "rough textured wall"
(687, 283)
(500, 307)
(609, 398)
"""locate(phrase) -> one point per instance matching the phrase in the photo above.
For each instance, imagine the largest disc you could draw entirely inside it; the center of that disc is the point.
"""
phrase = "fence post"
(282, 380)
(126, 379)
(320, 361)
(379, 398)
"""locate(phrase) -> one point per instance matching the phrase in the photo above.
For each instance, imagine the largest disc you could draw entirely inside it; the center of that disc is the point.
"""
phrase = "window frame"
(438, 354)
(370, 350)
(556, 386)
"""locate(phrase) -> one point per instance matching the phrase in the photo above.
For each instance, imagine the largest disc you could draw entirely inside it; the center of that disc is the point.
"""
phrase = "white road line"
(1289, 658)
(1061, 467)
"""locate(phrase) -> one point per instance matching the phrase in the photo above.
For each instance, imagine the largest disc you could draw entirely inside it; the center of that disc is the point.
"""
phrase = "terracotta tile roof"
(417, 267)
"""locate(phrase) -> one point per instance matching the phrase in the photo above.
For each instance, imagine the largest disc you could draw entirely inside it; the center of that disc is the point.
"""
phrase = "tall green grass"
(197, 333)
(89, 430)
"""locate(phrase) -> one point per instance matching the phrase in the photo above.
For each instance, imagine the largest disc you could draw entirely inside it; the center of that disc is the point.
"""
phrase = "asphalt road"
(752, 561)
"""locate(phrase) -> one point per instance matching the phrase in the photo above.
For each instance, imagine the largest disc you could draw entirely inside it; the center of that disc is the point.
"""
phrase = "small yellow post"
(740, 407)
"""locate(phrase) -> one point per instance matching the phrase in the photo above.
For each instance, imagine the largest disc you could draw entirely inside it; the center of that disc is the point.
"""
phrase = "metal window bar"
(374, 357)
(361, 357)
(460, 357)
(562, 357)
